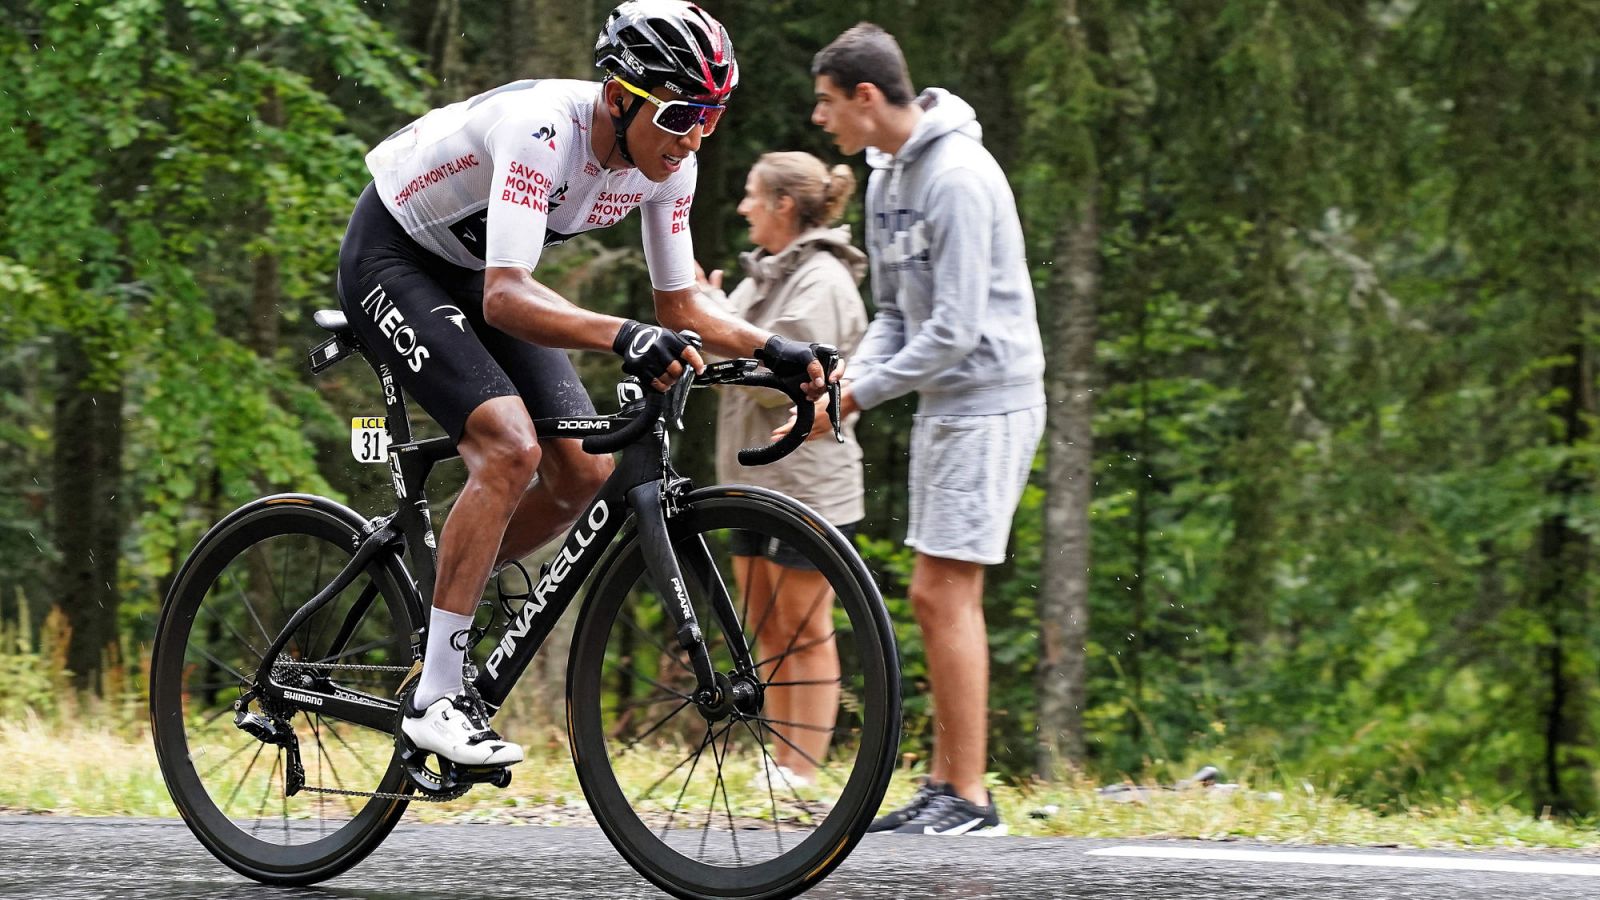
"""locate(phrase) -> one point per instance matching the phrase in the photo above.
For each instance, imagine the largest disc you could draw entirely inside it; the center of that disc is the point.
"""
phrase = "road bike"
(295, 629)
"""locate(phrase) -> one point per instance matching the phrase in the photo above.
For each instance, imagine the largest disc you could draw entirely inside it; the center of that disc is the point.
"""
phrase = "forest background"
(1317, 282)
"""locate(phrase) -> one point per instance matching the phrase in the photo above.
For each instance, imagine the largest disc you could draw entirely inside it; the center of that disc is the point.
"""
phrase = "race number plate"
(369, 440)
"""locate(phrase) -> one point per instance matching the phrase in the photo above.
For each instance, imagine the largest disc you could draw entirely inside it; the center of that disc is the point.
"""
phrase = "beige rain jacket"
(806, 293)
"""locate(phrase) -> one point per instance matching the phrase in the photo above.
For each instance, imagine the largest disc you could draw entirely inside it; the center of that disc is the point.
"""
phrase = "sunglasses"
(678, 117)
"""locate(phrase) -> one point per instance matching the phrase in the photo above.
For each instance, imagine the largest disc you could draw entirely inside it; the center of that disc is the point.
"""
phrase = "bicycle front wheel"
(231, 783)
(757, 799)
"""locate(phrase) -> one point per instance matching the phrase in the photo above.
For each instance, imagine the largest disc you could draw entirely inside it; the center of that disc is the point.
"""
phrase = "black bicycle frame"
(634, 492)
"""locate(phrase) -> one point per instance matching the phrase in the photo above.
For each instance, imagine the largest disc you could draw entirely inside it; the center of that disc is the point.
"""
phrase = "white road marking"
(1379, 860)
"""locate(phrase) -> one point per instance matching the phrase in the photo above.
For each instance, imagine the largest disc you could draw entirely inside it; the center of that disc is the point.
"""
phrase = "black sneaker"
(951, 814)
(892, 820)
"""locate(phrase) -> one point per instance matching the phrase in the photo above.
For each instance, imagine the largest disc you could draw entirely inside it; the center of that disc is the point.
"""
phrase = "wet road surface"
(122, 858)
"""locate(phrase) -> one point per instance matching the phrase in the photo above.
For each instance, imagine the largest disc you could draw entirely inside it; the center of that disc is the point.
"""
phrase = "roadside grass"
(105, 771)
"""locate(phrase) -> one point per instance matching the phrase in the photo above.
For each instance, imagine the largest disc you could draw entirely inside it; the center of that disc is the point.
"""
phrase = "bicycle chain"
(296, 664)
(376, 795)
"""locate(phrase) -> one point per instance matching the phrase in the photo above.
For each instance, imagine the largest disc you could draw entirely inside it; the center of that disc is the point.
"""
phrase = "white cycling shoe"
(457, 729)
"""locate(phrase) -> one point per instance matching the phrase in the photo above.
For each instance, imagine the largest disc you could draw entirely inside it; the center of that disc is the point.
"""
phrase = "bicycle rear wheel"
(234, 594)
(754, 800)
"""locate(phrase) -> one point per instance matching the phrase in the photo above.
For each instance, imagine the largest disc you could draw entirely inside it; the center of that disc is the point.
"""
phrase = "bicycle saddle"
(332, 320)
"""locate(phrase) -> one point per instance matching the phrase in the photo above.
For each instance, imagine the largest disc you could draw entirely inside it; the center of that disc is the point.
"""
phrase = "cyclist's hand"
(788, 358)
(654, 354)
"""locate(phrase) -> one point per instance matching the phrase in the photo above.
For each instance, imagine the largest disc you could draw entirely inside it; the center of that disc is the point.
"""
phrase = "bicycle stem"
(662, 565)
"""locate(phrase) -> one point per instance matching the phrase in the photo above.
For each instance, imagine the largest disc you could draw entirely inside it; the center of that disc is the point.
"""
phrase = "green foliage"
(1344, 503)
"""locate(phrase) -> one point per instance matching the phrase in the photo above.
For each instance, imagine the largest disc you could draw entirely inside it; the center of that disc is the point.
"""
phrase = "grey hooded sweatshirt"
(955, 317)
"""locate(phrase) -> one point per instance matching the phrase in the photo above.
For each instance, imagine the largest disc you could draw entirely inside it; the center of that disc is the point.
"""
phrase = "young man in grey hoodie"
(955, 322)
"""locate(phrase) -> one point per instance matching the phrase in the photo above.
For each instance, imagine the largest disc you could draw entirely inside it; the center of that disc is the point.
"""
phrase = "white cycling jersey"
(493, 180)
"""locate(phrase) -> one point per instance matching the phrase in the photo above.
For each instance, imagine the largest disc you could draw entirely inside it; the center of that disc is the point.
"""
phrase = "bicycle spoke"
(211, 658)
(768, 766)
(799, 649)
(635, 742)
(804, 726)
(322, 812)
(727, 805)
(266, 795)
(673, 814)
(375, 642)
(229, 758)
(772, 604)
(232, 630)
(316, 579)
(628, 620)
(694, 757)
(657, 700)
(250, 608)
(360, 757)
(338, 781)
(243, 778)
(821, 770)
(656, 684)
(822, 597)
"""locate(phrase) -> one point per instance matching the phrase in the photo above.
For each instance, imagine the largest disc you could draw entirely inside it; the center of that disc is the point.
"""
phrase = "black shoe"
(889, 821)
(951, 814)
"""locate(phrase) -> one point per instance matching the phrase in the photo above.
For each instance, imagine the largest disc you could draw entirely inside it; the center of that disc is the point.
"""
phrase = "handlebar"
(743, 372)
(649, 411)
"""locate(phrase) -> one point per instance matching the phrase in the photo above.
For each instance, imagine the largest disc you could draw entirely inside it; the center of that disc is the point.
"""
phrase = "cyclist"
(436, 275)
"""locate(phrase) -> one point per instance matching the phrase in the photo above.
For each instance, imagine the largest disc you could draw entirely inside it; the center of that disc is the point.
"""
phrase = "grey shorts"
(967, 476)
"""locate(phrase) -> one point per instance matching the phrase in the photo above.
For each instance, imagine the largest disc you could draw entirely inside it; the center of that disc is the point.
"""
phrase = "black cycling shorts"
(423, 318)
(744, 542)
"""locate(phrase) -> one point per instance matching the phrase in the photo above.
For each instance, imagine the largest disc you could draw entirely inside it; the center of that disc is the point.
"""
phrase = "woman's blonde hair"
(820, 194)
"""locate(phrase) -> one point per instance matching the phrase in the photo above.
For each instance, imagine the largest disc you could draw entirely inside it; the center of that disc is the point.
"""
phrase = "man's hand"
(821, 425)
(786, 358)
(705, 283)
(654, 354)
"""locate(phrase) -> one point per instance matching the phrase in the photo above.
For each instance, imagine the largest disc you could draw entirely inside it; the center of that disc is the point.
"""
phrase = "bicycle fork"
(716, 694)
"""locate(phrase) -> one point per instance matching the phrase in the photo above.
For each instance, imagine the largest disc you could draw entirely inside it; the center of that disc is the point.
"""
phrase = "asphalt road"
(120, 858)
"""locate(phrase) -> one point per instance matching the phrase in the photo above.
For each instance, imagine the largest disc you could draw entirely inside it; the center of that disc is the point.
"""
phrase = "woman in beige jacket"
(800, 281)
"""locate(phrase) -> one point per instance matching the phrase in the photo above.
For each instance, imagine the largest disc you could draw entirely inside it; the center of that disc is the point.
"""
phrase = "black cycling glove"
(648, 351)
(785, 357)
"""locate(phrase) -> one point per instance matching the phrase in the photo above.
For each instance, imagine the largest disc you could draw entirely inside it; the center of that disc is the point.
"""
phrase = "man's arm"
(959, 219)
(724, 333)
(519, 305)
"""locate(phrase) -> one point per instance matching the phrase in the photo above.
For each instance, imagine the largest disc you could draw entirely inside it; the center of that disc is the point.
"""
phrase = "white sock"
(441, 665)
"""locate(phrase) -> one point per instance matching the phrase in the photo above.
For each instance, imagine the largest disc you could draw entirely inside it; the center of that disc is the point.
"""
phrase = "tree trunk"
(1567, 782)
(87, 521)
(266, 293)
(1068, 315)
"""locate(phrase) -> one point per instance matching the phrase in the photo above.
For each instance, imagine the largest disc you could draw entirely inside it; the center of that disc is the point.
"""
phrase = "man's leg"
(947, 597)
(501, 454)
(791, 619)
(568, 479)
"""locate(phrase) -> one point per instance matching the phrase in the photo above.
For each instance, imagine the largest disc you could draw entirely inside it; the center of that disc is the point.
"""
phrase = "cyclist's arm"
(523, 307)
(669, 251)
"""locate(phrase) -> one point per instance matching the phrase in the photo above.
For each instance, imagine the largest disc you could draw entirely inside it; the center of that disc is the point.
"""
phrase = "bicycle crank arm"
(662, 565)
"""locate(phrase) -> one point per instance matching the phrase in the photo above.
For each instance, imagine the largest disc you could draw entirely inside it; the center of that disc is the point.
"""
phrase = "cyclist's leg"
(402, 301)
(567, 476)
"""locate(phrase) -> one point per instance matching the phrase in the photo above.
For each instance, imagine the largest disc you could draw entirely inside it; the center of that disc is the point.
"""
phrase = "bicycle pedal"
(499, 776)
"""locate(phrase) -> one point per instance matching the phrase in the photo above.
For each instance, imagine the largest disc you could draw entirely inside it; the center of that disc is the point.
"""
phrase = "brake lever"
(828, 355)
(680, 390)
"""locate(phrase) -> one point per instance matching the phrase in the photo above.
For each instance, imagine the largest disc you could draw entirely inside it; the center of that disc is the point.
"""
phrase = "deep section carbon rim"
(761, 797)
(230, 783)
